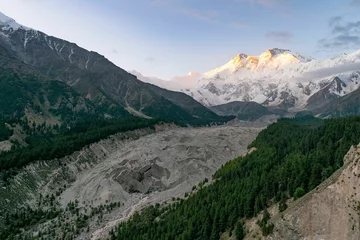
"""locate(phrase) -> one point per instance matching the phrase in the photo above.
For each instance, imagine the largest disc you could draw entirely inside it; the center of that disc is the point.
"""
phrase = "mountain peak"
(282, 56)
(239, 60)
(241, 55)
(268, 54)
(276, 51)
(7, 23)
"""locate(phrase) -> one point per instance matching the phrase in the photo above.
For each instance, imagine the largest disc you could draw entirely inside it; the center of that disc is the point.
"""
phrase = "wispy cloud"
(327, 72)
(355, 3)
(279, 36)
(343, 35)
(333, 21)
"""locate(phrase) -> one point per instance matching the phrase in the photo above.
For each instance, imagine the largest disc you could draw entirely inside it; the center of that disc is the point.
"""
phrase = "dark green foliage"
(12, 97)
(54, 86)
(299, 192)
(282, 204)
(291, 153)
(24, 218)
(74, 218)
(266, 228)
(5, 132)
(239, 231)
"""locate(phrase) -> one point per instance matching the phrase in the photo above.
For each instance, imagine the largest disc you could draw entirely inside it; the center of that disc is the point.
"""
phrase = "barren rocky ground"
(136, 169)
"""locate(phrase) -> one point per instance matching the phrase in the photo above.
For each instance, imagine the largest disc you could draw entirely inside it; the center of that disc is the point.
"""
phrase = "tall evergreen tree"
(239, 231)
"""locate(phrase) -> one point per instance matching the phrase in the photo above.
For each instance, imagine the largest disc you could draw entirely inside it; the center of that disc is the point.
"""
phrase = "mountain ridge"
(109, 87)
(277, 78)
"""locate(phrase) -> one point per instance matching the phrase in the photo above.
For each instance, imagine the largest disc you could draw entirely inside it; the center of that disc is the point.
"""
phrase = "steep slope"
(107, 86)
(331, 211)
(24, 92)
(189, 104)
(347, 105)
(331, 91)
(243, 110)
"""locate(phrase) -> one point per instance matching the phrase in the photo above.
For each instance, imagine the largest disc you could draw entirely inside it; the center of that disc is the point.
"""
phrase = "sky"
(167, 38)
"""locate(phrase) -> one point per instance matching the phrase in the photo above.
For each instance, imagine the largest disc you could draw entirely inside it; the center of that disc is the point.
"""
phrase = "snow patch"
(72, 52)
(7, 23)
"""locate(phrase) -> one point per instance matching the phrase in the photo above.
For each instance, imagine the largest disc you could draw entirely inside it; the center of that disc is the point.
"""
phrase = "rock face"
(340, 107)
(324, 96)
(331, 211)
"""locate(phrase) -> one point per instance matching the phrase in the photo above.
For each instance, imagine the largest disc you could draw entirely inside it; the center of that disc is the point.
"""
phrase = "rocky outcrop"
(324, 96)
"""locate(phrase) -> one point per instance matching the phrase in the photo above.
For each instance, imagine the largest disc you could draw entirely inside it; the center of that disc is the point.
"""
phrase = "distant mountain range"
(278, 78)
(69, 82)
(48, 79)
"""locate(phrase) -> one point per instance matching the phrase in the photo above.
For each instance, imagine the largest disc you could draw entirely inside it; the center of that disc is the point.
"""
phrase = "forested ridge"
(293, 156)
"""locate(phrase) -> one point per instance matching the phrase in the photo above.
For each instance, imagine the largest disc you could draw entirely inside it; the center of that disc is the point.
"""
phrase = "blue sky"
(167, 38)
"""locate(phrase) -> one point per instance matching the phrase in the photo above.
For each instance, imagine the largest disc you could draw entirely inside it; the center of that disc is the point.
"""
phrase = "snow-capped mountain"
(277, 77)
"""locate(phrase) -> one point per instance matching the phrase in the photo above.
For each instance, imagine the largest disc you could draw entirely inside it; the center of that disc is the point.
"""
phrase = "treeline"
(60, 141)
(56, 141)
(292, 156)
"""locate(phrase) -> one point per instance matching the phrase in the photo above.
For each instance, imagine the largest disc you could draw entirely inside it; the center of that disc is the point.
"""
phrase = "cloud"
(355, 3)
(335, 21)
(326, 72)
(149, 59)
(279, 36)
(343, 35)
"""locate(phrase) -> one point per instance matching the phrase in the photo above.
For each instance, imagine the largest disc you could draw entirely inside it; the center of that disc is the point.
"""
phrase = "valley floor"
(147, 168)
